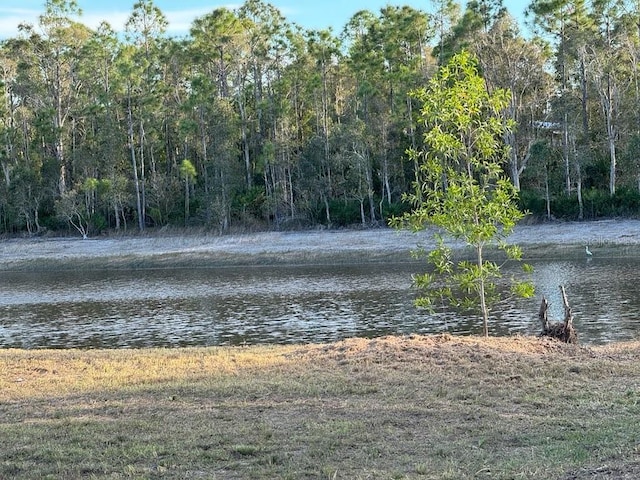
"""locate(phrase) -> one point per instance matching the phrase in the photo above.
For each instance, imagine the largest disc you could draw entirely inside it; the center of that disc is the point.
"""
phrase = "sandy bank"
(607, 237)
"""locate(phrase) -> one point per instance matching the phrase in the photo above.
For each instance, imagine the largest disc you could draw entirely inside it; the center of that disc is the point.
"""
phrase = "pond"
(293, 304)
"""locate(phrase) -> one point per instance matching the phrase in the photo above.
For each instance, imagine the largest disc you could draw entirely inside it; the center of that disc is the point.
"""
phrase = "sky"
(310, 14)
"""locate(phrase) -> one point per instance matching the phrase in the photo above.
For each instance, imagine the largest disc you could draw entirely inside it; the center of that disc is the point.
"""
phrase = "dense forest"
(252, 122)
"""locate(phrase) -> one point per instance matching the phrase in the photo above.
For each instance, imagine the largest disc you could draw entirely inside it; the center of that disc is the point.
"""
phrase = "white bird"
(589, 254)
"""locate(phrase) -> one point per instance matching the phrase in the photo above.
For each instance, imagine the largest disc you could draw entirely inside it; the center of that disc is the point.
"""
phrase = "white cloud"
(10, 18)
(180, 20)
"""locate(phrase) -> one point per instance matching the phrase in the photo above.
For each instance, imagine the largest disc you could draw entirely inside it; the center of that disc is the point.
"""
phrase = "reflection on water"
(230, 306)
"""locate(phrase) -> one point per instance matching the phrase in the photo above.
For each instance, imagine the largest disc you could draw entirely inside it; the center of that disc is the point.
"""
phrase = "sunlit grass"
(400, 407)
(42, 373)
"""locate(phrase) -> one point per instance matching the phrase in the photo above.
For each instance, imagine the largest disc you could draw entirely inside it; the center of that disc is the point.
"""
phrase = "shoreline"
(606, 238)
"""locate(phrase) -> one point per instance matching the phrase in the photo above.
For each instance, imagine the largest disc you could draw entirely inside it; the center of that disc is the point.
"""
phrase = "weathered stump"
(563, 331)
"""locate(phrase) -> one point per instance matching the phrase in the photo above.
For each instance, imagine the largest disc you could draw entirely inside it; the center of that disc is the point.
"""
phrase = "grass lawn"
(416, 407)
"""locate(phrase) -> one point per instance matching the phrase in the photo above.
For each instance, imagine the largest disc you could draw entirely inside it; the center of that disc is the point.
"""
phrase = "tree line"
(251, 121)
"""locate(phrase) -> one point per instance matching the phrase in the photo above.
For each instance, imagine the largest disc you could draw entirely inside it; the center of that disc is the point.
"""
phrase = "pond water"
(294, 304)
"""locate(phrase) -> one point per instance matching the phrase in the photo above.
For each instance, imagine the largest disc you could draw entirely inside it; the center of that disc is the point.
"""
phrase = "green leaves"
(187, 170)
(523, 289)
(461, 188)
(440, 258)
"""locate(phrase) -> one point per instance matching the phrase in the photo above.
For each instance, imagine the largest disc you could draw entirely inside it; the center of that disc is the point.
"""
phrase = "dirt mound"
(514, 377)
(416, 348)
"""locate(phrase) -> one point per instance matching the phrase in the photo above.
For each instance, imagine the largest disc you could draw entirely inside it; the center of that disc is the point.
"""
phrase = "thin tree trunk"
(116, 214)
(143, 193)
(578, 178)
(136, 180)
(186, 201)
(481, 293)
(565, 153)
(245, 142)
(547, 194)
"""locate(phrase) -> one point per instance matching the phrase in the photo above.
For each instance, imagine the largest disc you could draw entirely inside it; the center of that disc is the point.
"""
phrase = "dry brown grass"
(432, 407)
(34, 374)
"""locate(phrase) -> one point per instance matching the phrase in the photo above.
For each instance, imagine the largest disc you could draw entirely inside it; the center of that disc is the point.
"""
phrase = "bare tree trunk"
(612, 155)
(568, 314)
(565, 153)
(327, 211)
(143, 190)
(116, 214)
(547, 194)
(564, 331)
(578, 178)
(543, 314)
(481, 293)
(134, 163)
(245, 143)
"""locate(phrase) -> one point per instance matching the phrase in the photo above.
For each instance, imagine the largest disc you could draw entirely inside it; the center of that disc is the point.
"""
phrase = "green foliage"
(98, 223)
(624, 202)
(598, 204)
(187, 170)
(343, 212)
(393, 210)
(531, 201)
(565, 206)
(327, 124)
(250, 205)
(461, 189)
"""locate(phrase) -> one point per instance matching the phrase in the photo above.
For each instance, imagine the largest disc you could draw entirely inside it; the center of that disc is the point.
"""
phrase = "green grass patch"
(431, 407)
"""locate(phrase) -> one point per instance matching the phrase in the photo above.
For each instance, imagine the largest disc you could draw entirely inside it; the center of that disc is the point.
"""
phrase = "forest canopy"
(251, 121)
